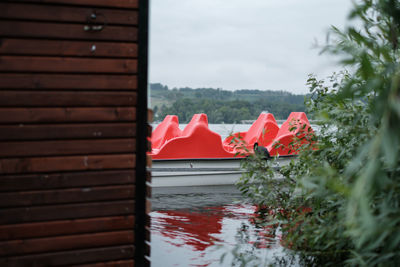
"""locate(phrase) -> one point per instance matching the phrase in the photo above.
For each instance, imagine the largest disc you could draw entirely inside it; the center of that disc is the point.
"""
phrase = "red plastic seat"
(295, 122)
(197, 119)
(197, 141)
(263, 131)
(166, 130)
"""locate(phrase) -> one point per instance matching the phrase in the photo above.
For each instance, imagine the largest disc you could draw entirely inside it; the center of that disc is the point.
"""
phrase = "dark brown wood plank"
(66, 65)
(106, 3)
(67, 163)
(148, 191)
(65, 180)
(60, 243)
(66, 227)
(149, 160)
(148, 176)
(67, 81)
(147, 249)
(61, 196)
(125, 263)
(68, 211)
(148, 220)
(148, 233)
(67, 14)
(67, 131)
(12, 149)
(67, 48)
(66, 31)
(66, 99)
(148, 207)
(71, 257)
(52, 115)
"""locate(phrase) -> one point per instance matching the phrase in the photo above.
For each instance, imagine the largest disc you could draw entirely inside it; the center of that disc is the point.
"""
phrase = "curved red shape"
(298, 125)
(262, 131)
(196, 120)
(193, 229)
(197, 141)
(166, 130)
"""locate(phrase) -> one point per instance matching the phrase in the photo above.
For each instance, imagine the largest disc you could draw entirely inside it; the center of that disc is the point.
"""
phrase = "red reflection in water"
(192, 232)
(195, 229)
(265, 234)
(201, 229)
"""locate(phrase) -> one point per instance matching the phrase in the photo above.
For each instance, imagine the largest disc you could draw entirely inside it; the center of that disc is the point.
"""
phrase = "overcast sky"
(241, 44)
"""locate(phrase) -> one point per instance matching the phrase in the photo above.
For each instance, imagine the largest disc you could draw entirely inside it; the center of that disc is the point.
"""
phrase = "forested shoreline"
(222, 106)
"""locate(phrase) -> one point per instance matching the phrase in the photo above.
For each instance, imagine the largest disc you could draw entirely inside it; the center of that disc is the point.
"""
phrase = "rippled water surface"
(186, 227)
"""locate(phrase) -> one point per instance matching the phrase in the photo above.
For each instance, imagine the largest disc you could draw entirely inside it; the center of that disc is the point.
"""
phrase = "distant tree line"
(223, 106)
(233, 111)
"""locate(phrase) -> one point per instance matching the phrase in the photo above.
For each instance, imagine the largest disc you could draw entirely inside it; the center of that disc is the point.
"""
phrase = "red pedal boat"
(198, 156)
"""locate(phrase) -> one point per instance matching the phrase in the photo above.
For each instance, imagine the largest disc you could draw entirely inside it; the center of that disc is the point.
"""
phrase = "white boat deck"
(200, 172)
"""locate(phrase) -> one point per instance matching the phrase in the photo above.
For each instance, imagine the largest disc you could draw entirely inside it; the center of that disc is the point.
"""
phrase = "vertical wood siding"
(69, 132)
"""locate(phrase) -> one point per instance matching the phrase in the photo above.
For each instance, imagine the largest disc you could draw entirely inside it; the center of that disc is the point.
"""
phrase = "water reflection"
(196, 230)
(187, 236)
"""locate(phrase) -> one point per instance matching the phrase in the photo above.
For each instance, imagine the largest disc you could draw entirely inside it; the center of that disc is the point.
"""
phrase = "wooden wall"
(71, 75)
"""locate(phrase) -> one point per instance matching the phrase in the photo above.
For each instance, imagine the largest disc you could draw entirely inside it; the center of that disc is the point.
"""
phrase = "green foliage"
(223, 106)
(340, 203)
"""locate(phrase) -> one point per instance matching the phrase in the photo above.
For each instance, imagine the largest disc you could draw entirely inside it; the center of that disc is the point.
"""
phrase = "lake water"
(188, 224)
(187, 227)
